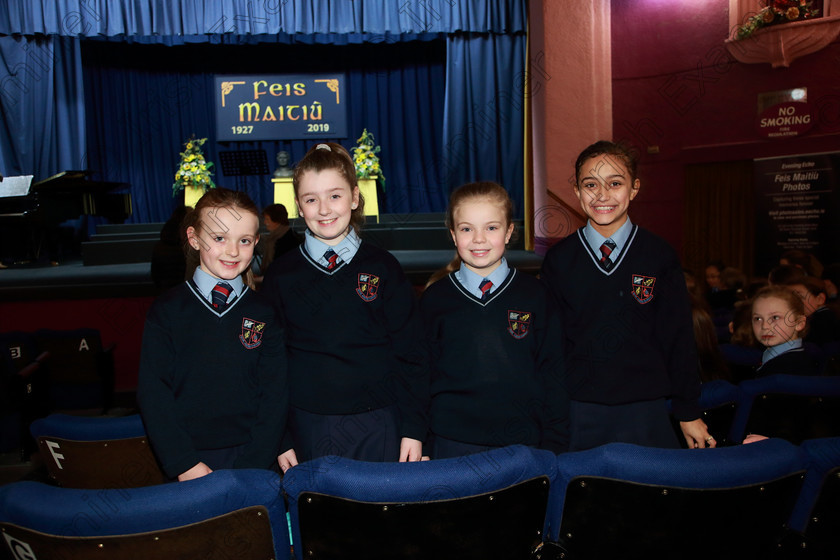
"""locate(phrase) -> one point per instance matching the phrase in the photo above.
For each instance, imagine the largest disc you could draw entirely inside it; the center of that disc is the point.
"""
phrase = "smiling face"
(774, 322)
(326, 201)
(225, 241)
(480, 232)
(605, 188)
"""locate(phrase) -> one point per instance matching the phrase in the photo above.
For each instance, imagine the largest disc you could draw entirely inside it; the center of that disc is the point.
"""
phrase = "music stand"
(241, 163)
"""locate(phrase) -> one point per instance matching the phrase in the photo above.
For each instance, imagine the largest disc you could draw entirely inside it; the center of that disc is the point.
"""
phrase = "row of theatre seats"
(771, 499)
(48, 370)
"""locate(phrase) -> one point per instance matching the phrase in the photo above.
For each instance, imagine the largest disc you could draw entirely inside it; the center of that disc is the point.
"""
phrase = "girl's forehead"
(603, 165)
(223, 218)
(479, 204)
(771, 302)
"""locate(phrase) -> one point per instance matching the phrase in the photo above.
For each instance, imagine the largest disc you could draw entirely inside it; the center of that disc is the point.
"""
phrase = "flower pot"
(192, 194)
(368, 189)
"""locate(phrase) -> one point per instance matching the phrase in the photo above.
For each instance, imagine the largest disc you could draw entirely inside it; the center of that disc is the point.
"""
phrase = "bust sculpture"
(283, 169)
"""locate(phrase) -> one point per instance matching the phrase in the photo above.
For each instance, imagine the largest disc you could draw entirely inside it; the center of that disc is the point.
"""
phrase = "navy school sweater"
(352, 334)
(628, 332)
(497, 373)
(210, 381)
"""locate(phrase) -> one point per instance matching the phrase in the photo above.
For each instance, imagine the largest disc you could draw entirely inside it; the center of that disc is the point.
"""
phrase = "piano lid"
(72, 181)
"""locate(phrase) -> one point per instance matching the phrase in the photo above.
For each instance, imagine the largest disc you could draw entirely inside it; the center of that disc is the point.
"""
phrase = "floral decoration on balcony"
(775, 12)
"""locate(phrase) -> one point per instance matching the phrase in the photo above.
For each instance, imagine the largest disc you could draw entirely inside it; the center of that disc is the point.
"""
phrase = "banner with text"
(280, 107)
(797, 207)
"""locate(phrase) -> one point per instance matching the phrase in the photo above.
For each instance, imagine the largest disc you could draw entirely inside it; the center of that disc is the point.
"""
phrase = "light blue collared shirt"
(776, 351)
(346, 249)
(595, 239)
(206, 283)
(470, 280)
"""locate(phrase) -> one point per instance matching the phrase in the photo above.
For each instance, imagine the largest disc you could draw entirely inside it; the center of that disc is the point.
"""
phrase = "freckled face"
(774, 322)
(481, 233)
(225, 241)
(605, 190)
(326, 201)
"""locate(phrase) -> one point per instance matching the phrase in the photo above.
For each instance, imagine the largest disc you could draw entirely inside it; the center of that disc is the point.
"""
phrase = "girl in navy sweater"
(497, 368)
(212, 384)
(626, 316)
(356, 375)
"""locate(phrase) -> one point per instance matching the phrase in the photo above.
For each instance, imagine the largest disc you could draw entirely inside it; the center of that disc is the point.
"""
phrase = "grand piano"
(29, 221)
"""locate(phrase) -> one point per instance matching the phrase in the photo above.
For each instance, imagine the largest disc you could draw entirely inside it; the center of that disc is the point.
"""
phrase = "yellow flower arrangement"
(774, 12)
(194, 170)
(366, 160)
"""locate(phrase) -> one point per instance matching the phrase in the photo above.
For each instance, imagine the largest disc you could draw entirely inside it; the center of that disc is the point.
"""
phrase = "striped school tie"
(332, 259)
(606, 250)
(220, 294)
(485, 289)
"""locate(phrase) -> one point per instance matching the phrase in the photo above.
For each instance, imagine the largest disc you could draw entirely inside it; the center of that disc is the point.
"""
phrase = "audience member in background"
(712, 364)
(212, 382)
(713, 284)
(497, 364)
(742, 353)
(831, 277)
(626, 317)
(712, 277)
(778, 320)
(803, 260)
(169, 261)
(823, 323)
(785, 274)
(281, 237)
(722, 302)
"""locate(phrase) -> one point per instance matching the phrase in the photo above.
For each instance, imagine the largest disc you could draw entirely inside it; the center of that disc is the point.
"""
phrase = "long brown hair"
(237, 202)
(483, 190)
(329, 155)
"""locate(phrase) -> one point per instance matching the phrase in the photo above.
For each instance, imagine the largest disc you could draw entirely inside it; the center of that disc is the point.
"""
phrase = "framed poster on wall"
(797, 207)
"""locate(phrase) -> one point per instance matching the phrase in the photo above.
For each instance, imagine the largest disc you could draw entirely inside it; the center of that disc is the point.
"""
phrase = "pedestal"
(368, 189)
(191, 195)
(284, 193)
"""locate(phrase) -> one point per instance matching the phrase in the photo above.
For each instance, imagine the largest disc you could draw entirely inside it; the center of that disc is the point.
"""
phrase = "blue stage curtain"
(242, 17)
(485, 115)
(42, 106)
(136, 131)
(144, 101)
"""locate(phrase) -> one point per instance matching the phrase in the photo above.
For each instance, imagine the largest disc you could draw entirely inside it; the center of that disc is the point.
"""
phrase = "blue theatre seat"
(791, 407)
(487, 505)
(96, 452)
(226, 514)
(815, 520)
(627, 501)
(718, 400)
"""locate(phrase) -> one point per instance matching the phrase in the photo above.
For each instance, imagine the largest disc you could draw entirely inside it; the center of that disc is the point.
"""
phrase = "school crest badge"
(368, 286)
(519, 322)
(252, 333)
(643, 288)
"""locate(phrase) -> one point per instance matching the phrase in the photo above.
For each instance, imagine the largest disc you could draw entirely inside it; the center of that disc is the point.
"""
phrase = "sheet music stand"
(241, 163)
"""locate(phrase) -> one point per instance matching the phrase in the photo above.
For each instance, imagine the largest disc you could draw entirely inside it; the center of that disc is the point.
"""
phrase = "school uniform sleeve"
(675, 332)
(155, 394)
(272, 404)
(551, 369)
(408, 357)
